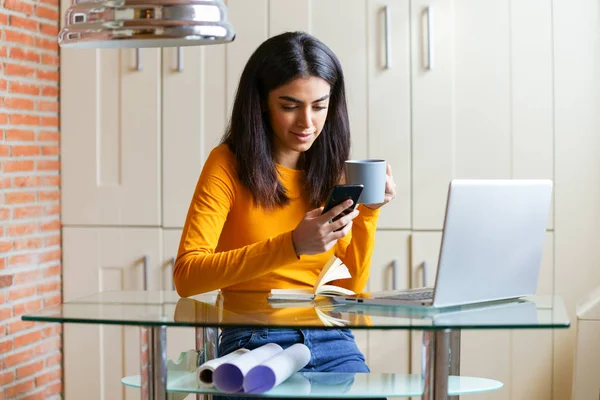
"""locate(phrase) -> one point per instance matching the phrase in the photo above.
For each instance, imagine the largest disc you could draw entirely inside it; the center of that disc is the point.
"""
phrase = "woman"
(255, 220)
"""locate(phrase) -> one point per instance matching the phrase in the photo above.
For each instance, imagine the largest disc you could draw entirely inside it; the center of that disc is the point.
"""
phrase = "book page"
(333, 270)
(332, 290)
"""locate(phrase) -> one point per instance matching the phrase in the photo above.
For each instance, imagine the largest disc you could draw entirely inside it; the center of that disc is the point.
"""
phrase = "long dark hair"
(249, 136)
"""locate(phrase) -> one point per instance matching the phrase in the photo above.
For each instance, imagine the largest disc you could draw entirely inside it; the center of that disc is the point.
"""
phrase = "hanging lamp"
(145, 23)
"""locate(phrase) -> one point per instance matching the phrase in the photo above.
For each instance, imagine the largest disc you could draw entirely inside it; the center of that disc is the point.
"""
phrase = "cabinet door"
(389, 101)
(178, 339)
(521, 359)
(389, 350)
(110, 137)
(95, 260)
(194, 117)
(481, 96)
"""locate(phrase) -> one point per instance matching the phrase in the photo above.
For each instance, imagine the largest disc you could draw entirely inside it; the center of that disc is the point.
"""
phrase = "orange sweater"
(228, 243)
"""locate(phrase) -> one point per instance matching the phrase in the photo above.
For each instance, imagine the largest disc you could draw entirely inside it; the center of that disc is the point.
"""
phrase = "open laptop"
(492, 245)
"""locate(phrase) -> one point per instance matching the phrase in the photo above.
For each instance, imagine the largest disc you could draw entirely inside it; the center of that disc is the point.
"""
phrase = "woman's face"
(297, 111)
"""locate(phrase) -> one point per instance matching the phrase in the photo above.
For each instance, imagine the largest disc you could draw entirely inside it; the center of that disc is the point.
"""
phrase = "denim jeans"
(332, 350)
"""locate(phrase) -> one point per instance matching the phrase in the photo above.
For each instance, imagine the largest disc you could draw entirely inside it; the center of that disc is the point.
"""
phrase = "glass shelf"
(252, 310)
(335, 385)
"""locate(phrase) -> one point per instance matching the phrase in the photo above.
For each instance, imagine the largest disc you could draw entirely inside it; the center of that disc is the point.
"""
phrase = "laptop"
(492, 245)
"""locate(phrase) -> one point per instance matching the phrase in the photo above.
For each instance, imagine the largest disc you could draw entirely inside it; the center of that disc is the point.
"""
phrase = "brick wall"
(30, 252)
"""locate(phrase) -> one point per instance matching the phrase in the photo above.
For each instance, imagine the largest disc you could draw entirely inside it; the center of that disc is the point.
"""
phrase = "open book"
(334, 269)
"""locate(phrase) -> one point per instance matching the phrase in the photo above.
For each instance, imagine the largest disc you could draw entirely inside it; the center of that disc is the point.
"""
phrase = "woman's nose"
(305, 119)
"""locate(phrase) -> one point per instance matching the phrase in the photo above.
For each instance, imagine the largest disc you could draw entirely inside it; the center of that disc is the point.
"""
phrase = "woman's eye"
(289, 107)
(319, 108)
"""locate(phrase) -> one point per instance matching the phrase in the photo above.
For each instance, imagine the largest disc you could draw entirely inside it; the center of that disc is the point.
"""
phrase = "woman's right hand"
(315, 234)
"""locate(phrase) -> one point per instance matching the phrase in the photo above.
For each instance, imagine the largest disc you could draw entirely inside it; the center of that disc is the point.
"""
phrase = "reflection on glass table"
(154, 311)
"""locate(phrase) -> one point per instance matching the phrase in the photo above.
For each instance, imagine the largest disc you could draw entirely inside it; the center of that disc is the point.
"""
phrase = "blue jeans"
(332, 350)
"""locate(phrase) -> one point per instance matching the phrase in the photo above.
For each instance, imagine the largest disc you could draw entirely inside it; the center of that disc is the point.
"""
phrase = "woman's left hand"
(390, 189)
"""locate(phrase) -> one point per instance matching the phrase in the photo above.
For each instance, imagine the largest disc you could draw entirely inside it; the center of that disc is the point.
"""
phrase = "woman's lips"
(303, 137)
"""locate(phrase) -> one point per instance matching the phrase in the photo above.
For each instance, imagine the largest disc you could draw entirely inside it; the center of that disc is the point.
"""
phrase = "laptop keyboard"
(411, 295)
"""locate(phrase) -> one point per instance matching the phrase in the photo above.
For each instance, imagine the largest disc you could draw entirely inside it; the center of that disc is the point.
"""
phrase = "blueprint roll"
(229, 376)
(276, 369)
(204, 373)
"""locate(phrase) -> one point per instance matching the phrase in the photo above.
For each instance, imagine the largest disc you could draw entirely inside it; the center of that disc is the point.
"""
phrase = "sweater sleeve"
(198, 268)
(356, 249)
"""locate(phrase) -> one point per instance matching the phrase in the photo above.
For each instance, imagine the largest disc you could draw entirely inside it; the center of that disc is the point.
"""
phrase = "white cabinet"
(95, 260)
(194, 118)
(110, 137)
(481, 96)
(389, 350)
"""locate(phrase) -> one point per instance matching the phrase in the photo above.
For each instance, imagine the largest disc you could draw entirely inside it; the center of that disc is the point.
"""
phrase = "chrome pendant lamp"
(145, 23)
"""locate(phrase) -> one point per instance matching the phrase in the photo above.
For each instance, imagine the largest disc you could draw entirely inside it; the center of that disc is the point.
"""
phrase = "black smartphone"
(341, 193)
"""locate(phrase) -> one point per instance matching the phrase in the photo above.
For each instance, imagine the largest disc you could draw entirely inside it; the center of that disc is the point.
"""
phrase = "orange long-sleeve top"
(229, 243)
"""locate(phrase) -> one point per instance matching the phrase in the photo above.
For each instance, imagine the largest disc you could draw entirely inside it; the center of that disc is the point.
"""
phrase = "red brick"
(47, 44)
(50, 91)
(28, 338)
(52, 210)
(49, 376)
(27, 181)
(26, 23)
(51, 180)
(19, 70)
(54, 388)
(5, 313)
(4, 214)
(2, 266)
(17, 134)
(4, 151)
(5, 246)
(49, 29)
(50, 226)
(27, 307)
(48, 345)
(50, 59)
(50, 150)
(46, 12)
(52, 300)
(50, 121)
(19, 5)
(48, 165)
(24, 119)
(20, 197)
(54, 270)
(21, 38)
(3, 19)
(27, 212)
(48, 75)
(49, 196)
(5, 347)
(20, 292)
(16, 103)
(27, 244)
(3, 119)
(28, 276)
(18, 358)
(16, 327)
(54, 240)
(55, 359)
(21, 229)
(48, 105)
(25, 150)
(24, 88)
(48, 256)
(22, 259)
(19, 388)
(5, 182)
(18, 166)
(52, 330)
(3, 83)
(3, 54)
(17, 53)
(7, 377)
(40, 395)
(46, 136)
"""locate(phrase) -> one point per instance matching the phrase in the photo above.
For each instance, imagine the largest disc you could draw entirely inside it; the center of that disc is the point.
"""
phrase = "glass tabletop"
(253, 310)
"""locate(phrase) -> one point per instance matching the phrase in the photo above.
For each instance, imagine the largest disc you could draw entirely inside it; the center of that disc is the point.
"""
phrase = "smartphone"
(341, 193)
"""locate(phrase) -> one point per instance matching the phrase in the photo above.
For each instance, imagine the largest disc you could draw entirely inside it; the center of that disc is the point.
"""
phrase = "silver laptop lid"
(493, 240)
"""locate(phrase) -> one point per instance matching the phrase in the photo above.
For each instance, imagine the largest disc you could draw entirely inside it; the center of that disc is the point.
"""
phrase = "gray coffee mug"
(371, 174)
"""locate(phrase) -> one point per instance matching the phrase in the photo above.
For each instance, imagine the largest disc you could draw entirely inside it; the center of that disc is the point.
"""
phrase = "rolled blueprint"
(229, 376)
(204, 373)
(276, 369)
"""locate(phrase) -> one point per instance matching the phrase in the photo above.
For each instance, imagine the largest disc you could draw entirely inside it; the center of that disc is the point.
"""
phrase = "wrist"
(294, 245)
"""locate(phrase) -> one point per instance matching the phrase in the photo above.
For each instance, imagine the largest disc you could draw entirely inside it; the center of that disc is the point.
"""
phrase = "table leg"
(153, 360)
(207, 344)
(436, 364)
(455, 356)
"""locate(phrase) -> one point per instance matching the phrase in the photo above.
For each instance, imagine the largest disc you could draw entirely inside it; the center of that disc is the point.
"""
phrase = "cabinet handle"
(424, 272)
(172, 264)
(429, 18)
(138, 60)
(179, 60)
(394, 274)
(388, 37)
(145, 269)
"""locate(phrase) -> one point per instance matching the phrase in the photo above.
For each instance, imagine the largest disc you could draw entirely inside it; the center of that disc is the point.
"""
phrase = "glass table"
(154, 311)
